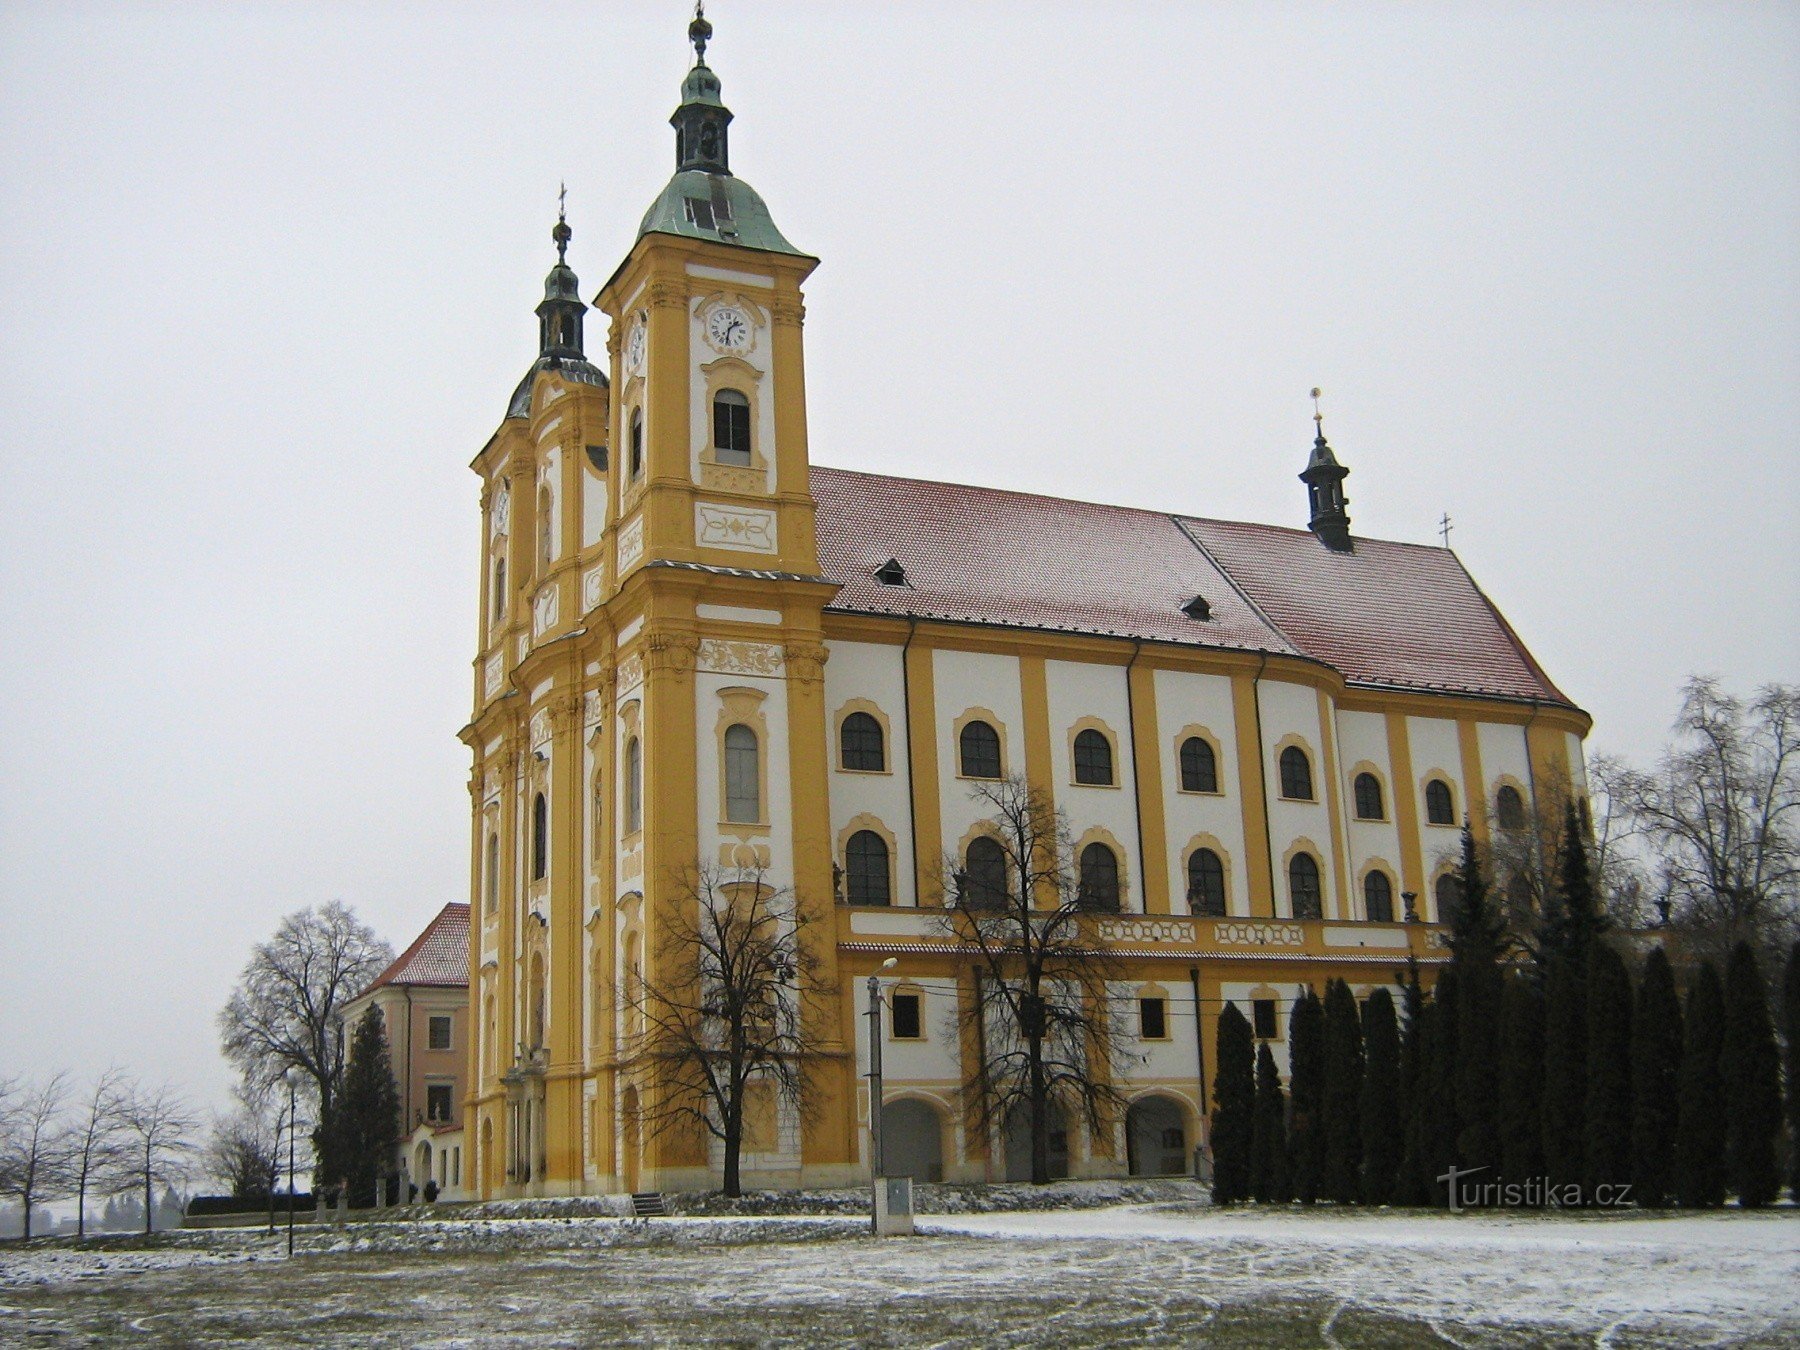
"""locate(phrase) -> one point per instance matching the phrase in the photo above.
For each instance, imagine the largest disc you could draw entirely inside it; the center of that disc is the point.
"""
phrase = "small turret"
(1324, 479)
(700, 122)
(560, 313)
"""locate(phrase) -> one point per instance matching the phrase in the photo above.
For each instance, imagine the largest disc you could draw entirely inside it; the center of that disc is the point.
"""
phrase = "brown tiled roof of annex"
(1392, 615)
(438, 956)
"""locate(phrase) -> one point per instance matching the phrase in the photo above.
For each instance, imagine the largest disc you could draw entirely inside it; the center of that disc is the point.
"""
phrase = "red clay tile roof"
(438, 956)
(1392, 615)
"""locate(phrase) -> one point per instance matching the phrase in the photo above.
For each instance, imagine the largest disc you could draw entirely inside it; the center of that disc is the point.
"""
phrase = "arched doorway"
(1018, 1143)
(1156, 1142)
(628, 1139)
(912, 1140)
(422, 1165)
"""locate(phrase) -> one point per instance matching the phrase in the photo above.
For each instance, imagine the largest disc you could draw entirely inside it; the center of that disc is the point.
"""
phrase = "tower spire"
(701, 119)
(1324, 479)
(560, 313)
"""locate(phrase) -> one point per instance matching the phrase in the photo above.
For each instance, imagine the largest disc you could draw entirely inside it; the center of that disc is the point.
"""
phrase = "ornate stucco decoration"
(743, 528)
(741, 658)
(1254, 934)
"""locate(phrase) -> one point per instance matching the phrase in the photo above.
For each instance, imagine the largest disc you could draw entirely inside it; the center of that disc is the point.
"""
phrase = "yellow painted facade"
(647, 587)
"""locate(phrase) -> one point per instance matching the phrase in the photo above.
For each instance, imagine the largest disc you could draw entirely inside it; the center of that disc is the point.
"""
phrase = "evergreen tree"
(1306, 1097)
(1700, 1126)
(1379, 1109)
(1437, 1089)
(1411, 1186)
(1564, 945)
(1268, 1152)
(1521, 1080)
(1606, 1151)
(1655, 1083)
(367, 1111)
(1750, 1067)
(1476, 944)
(1234, 1093)
(1790, 998)
(1343, 1094)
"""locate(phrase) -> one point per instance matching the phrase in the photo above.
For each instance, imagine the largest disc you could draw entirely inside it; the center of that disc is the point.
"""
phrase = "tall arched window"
(984, 875)
(731, 427)
(1099, 878)
(1093, 758)
(635, 439)
(634, 785)
(743, 776)
(980, 745)
(546, 524)
(1199, 766)
(1303, 887)
(860, 743)
(1378, 898)
(499, 589)
(1368, 797)
(491, 883)
(540, 837)
(1509, 808)
(866, 869)
(1206, 884)
(1296, 774)
(1449, 897)
(1439, 808)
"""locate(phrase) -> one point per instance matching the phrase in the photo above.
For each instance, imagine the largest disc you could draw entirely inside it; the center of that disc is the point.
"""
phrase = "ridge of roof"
(438, 956)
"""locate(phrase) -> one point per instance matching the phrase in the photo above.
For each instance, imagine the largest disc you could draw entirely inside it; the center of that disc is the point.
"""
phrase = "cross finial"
(1318, 416)
(1444, 527)
(699, 32)
(562, 231)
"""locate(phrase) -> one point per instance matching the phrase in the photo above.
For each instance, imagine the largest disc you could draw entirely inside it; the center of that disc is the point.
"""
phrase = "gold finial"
(1318, 417)
(699, 32)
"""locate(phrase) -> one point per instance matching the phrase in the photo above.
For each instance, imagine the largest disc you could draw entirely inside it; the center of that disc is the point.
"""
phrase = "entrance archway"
(1018, 1143)
(1156, 1142)
(912, 1140)
(422, 1165)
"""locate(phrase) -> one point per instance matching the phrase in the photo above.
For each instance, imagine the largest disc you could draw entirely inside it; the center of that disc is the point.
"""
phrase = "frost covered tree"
(1655, 1082)
(158, 1129)
(98, 1154)
(1750, 1068)
(35, 1143)
(1234, 1097)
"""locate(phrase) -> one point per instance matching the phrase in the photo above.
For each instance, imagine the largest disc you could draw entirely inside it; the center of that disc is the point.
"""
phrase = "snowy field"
(1167, 1274)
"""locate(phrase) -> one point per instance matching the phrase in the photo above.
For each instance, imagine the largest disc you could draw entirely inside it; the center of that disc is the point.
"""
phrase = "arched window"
(866, 869)
(1093, 758)
(859, 741)
(491, 883)
(1206, 884)
(540, 837)
(546, 524)
(743, 778)
(1199, 767)
(1368, 797)
(1509, 808)
(499, 589)
(731, 427)
(1099, 878)
(1449, 897)
(634, 785)
(980, 751)
(1439, 808)
(1296, 774)
(1378, 898)
(984, 875)
(1303, 887)
(636, 440)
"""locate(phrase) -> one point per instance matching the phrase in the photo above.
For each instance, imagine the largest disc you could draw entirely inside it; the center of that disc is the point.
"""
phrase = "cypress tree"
(1655, 1083)
(1521, 1081)
(1564, 946)
(1476, 942)
(1411, 1188)
(1700, 1125)
(1606, 1148)
(1790, 999)
(1382, 1139)
(1437, 1089)
(1343, 1094)
(1269, 1163)
(1234, 1093)
(368, 1110)
(1750, 1066)
(1306, 1097)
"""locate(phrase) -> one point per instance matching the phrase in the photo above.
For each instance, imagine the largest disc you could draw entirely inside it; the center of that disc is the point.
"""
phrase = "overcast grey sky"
(267, 281)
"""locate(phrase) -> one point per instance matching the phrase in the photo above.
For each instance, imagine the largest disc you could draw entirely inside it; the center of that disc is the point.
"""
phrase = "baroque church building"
(699, 647)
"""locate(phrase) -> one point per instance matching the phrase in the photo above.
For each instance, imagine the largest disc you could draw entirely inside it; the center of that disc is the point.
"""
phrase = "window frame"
(1314, 891)
(849, 720)
(1160, 1003)
(1509, 808)
(449, 1092)
(963, 733)
(917, 1001)
(634, 785)
(432, 1022)
(1090, 753)
(974, 893)
(1224, 898)
(1377, 878)
(1210, 764)
(740, 409)
(1367, 782)
(1093, 850)
(1291, 755)
(1265, 1010)
(1437, 780)
(851, 874)
(540, 837)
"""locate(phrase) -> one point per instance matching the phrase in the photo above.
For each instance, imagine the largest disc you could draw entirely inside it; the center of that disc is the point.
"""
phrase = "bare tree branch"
(35, 1143)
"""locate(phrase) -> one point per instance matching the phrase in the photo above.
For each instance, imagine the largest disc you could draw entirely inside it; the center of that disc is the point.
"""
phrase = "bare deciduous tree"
(97, 1148)
(243, 1149)
(286, 1007)
(159, 1133)
(1041, 1011)
(34, 1143)
(733, 1007)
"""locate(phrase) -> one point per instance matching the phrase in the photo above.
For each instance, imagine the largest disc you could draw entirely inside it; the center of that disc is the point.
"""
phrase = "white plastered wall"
(1190, 700)
(1293, 710)
(872, 672)
(964, 680)
(1078, 690)
(1362, 739)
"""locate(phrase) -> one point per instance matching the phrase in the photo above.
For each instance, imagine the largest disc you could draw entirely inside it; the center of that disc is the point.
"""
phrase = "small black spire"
(561, 310)
(1324, 479)
(700, 121)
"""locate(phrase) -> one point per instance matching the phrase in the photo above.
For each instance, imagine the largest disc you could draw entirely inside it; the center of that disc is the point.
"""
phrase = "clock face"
(634, 346)
(728, 328)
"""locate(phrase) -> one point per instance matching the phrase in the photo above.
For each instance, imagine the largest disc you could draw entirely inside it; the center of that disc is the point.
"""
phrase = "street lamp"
(875, 1159)
(293, 1082)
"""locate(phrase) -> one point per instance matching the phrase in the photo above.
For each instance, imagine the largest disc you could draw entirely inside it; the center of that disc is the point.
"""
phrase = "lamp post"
(293, 1082)
(875, 1094)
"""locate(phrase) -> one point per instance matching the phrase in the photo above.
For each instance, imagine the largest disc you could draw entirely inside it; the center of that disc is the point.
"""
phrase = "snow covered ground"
(1156, 1275)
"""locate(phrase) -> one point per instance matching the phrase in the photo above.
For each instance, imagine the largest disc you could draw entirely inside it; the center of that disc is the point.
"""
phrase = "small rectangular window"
(907, 1022)
(438, 1098)
(1153, 1020)
(1262, 1011)
(439, 1035)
